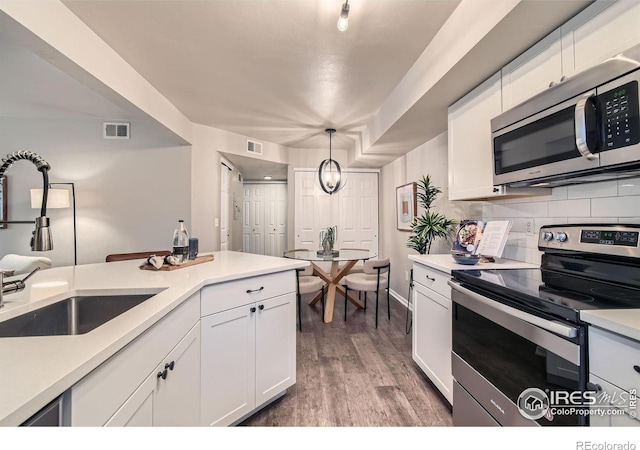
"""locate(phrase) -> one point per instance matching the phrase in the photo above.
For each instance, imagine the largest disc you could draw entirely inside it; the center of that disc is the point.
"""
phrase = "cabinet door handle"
(163, 374)
(261, 307)
(636, 368)
(253, 309)
(251, 291)
(170, 365)
(430, 278)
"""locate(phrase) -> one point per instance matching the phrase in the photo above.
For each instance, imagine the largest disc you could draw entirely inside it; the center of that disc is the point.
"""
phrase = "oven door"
(546, 143)
(500, 353)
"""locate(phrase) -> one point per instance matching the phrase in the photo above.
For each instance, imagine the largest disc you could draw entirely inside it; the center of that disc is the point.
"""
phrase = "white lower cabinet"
(170, 396)
(431, 340)
(249, 351)
(614, 366)
(126, 390)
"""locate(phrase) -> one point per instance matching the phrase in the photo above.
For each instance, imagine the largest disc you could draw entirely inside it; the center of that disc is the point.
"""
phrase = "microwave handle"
(581, 128)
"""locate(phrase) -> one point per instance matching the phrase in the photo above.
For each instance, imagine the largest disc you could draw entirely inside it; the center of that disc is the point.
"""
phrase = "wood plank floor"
(350, 374)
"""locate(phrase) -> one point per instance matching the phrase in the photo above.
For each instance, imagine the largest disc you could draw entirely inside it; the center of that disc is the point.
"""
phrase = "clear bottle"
(181, 242)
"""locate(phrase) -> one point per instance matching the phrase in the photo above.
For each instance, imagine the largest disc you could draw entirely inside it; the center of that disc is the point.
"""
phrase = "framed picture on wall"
(406, 205)
(3, 201)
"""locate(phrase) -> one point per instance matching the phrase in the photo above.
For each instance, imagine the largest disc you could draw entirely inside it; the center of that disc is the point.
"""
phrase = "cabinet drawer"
(432, 279)
(614, 406)
(613, 358)
(224, 296)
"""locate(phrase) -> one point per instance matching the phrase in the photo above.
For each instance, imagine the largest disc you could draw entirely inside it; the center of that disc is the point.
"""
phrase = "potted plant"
(328, 239)
(430, 225)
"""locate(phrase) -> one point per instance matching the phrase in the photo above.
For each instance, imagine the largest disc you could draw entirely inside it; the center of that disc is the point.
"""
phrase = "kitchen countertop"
(445, 263)
(625, 322)
(35, 370)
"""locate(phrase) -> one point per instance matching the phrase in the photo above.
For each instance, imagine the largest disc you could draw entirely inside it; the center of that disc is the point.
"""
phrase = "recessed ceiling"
(278, 71)
(253, 169)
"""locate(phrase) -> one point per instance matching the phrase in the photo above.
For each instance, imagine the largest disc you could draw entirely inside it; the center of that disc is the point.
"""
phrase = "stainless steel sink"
(73, 315)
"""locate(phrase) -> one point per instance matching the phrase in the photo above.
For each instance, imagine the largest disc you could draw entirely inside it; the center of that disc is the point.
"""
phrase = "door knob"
(261, 307)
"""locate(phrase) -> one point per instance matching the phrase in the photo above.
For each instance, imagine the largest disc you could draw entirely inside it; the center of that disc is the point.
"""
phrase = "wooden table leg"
(333, 279)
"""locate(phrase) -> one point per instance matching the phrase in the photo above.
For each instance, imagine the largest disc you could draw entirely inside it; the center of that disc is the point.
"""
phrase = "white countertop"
(35, 370)
(625, 322)
(445, 263)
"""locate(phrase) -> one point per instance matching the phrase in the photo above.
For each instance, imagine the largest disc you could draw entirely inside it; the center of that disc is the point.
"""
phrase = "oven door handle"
(549, 325)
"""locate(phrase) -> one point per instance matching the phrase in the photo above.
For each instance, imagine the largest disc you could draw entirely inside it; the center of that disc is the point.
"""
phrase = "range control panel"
(605, 237)
(621, 119)
(622, 240)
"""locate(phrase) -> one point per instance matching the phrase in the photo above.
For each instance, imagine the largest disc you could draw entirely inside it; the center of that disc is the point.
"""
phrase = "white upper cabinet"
(469, 131)
(601, 31)
(532, 72)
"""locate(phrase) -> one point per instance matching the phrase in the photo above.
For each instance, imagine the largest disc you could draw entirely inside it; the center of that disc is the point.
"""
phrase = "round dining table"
(342, 261)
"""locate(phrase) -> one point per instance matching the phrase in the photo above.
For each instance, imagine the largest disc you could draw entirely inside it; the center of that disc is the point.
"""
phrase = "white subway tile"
(557, 193)
(593, 190)
(506, 201)
(533, 209)
(616, 206)
(570, 208)
(487, 211)
(540, 222)
(591, 220)
(518, 225)
(505, 211)
(629, 186)
(629, 220)
(531, 241)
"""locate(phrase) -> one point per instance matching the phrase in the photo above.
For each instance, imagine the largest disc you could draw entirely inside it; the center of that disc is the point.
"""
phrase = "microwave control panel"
(620, 114)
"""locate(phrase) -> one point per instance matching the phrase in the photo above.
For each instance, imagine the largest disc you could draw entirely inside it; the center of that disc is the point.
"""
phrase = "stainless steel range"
(518, 331)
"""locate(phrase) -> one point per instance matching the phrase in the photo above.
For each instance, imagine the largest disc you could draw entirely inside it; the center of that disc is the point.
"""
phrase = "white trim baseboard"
(400, 299)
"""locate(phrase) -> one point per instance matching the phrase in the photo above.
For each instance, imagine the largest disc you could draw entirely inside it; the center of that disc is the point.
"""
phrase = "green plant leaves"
(431, 225)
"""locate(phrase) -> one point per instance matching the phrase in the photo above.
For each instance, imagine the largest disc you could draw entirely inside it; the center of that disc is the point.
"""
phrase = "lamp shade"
(56, 198)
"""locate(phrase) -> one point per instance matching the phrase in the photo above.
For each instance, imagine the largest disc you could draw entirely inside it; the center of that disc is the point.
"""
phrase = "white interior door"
(358, 202)
(354, 209)
(275, 219)
(253, 219)
(224, 207)
(314, 211)
(264, 224)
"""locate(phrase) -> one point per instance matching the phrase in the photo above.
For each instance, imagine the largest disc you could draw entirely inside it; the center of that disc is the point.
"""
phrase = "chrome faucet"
(12, 286)
(41, 237)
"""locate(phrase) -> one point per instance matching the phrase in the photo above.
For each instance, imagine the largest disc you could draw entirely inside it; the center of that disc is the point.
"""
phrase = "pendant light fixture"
(329, 172)
(343, 21)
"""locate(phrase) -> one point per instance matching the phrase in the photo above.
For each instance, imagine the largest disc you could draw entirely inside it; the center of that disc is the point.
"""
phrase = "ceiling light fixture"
(329, 172)
(267, 177)
(343, 21)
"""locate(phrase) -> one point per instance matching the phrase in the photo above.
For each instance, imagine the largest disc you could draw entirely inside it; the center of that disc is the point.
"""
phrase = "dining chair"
(374, 278)
(308, 283)
(136, 255)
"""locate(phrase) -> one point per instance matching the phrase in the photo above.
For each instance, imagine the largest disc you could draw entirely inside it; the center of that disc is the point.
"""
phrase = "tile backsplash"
(604, 202)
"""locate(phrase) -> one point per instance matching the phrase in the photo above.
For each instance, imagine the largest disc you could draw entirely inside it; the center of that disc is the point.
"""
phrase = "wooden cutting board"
(168, 267)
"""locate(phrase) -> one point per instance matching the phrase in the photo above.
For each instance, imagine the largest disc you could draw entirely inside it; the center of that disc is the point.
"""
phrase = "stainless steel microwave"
(586, 128)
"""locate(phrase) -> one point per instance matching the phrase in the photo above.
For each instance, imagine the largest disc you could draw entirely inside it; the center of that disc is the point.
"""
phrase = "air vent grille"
(254, 147)
(117, 130)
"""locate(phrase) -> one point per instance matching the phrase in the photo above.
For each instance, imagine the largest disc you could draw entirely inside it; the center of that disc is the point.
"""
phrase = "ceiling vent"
(254, 147)
(116, 130)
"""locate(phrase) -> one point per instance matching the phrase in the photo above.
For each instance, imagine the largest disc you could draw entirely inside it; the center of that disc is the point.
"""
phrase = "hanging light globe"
(329, 171)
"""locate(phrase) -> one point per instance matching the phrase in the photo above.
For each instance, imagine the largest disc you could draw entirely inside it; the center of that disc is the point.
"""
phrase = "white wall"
(604, 202)
(129, 193)
(205, 172)
(429, 158)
